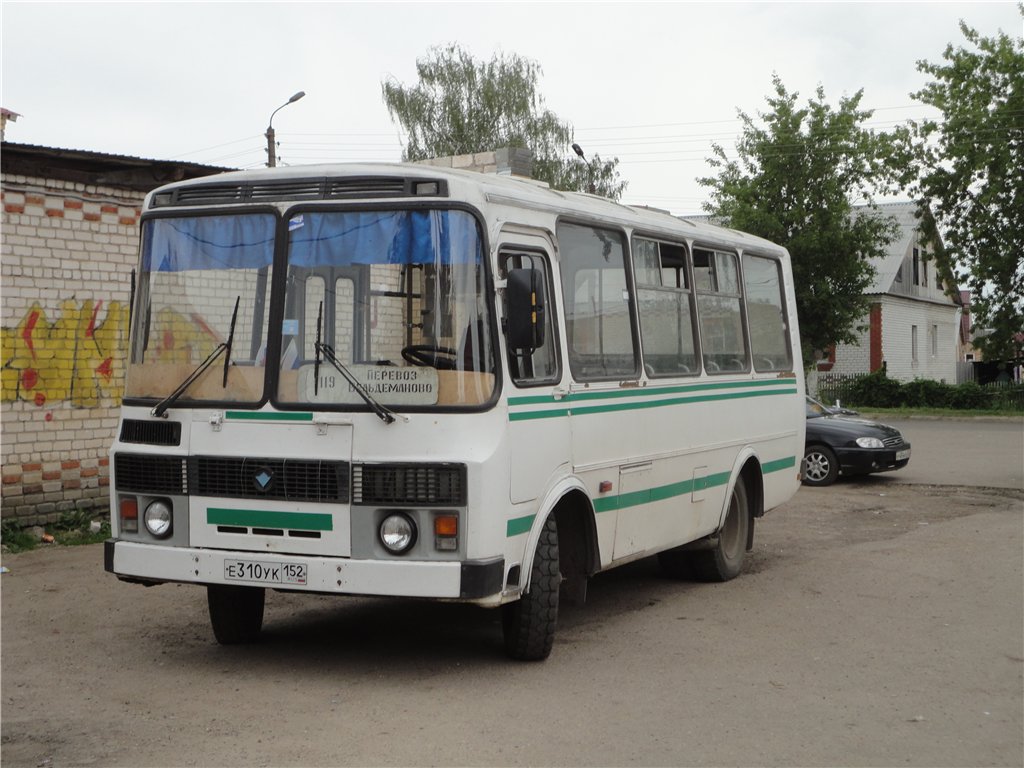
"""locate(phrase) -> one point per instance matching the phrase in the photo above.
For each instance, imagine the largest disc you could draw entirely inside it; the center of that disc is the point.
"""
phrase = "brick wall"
(67, 252)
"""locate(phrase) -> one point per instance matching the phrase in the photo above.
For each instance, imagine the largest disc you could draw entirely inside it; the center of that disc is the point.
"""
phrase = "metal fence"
(1002, 395)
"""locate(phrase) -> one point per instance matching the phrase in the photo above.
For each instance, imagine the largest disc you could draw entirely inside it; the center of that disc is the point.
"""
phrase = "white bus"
(399, 380)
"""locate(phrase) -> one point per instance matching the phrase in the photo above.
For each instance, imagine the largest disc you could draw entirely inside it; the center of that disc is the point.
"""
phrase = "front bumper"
(474, 580)
(863, 461)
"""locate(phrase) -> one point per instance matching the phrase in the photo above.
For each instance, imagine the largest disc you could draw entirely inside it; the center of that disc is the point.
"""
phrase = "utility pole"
(271, 142)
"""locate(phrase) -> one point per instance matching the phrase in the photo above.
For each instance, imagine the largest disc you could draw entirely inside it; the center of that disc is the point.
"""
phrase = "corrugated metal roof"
(87, 155)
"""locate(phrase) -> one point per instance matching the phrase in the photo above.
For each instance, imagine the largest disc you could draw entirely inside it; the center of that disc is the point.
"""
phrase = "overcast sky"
(651, 83)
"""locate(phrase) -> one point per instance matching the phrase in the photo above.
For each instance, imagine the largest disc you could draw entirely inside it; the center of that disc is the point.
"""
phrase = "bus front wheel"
(529, 623)
(236, 613)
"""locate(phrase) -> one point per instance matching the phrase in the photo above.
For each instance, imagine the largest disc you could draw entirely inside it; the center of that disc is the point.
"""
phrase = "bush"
(875, 390)
(968, 397)
(925, 393)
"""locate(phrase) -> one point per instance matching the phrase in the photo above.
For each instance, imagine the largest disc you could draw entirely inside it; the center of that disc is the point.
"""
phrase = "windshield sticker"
(295, 222)
(290, 328)
(389, 384)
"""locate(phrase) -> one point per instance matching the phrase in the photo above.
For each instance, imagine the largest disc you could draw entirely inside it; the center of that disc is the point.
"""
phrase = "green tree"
(793, 181)
(461, 105)
(974, 178)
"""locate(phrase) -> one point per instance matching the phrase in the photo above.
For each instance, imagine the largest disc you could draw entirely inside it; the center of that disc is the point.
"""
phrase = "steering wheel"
(442, 358)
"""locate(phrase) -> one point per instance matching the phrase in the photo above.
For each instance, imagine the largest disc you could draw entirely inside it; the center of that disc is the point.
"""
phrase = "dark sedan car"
(849, 446)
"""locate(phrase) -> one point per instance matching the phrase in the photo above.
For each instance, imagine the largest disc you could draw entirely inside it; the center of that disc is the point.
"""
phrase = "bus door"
(538, 430)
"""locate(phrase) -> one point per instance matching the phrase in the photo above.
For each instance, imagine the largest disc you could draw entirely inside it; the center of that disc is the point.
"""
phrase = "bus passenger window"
(598, 323)
(766, 316)
(665, 308)
(720, 311)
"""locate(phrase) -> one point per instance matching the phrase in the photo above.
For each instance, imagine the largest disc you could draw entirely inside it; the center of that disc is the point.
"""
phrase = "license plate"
(904, 454)
(265, 573)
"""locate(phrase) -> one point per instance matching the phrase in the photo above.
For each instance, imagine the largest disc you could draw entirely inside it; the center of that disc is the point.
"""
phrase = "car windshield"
(396, 300)
(816, 409)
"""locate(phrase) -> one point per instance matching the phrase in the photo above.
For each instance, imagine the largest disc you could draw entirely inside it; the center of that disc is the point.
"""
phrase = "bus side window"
(538, 366)
(665, 306)
(720, 311)
(596, 296)
(766, 316)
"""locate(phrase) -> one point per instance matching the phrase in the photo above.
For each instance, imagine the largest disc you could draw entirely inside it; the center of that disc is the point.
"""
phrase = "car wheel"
(236, 613)
(821, 467)
(529, 622)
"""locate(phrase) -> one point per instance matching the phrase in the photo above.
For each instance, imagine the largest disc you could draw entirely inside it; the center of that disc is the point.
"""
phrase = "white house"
(913, 326)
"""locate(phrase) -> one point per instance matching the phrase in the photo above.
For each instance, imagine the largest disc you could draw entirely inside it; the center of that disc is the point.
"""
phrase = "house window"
(924, 273)
(913, 344)
(935, 341)
(917, 267)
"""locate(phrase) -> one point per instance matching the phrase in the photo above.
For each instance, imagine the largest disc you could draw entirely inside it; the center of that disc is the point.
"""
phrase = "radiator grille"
(892, 442)
(151, 474)
(281, 479)
(418, 484)
(151, 432)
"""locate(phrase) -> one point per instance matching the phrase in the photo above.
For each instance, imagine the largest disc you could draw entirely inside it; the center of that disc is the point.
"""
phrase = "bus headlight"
(397, 533)
(158, 519)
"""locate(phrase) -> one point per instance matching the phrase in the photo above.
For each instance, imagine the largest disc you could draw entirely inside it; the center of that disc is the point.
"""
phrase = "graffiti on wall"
(79, 357)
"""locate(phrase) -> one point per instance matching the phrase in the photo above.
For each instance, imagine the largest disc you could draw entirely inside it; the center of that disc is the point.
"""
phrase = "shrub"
(875, 389)
(925, 393)
(968, 397)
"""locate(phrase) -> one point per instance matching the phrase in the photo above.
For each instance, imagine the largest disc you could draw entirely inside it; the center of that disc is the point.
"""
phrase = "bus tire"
(724, 560)
(236, 613)
(529, 623)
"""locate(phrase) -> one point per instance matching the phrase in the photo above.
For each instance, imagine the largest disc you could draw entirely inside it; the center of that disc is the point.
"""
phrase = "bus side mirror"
(524, 294)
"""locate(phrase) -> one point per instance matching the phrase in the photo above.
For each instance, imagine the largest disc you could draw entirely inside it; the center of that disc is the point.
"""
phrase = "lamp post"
(271, 146)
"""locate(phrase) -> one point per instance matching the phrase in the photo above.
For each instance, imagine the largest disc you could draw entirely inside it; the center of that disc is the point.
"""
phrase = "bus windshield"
(395, 299)
(194, 272)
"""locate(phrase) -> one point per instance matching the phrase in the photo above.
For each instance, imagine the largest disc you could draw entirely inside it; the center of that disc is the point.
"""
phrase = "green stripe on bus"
(612, 407)
(763, 389)
(519, 525)
(554, 413)
(778, 465)
(660, 493)
(658, 391)
(268, 416)
(647, 391)
(259, 518)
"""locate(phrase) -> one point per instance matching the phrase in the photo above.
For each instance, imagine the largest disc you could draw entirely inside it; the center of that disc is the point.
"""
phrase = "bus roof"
(494, 189)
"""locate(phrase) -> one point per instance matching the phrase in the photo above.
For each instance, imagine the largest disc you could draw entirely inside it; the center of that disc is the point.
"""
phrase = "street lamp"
(271, 147)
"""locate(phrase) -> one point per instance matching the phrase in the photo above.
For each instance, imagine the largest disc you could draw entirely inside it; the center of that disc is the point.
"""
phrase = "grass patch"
(73, 528)
(15, 538)
(946, 412)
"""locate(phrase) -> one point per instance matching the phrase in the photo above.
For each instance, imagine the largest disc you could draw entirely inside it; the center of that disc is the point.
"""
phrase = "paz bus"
(400, 380)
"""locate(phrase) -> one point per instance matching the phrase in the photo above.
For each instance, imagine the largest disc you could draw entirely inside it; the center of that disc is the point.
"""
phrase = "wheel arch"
(746, 470)
(579, 554)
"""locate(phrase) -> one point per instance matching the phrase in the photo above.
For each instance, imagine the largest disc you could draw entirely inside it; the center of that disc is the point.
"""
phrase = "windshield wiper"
(170, 400)
(316, 349)
(386, 415)
(224, 347)
(231, 339)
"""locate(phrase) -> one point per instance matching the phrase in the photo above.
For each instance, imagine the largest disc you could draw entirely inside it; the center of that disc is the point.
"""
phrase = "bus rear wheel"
(529, 623)
(723, 559)
(236, 613)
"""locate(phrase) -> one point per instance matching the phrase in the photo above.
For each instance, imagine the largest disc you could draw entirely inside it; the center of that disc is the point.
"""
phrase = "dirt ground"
(876, 623)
